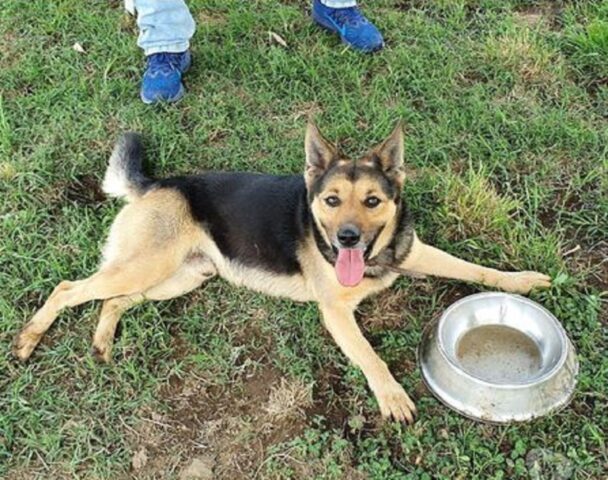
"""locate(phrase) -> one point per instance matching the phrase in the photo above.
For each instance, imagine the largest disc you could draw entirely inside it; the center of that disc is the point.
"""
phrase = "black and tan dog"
(334, 236)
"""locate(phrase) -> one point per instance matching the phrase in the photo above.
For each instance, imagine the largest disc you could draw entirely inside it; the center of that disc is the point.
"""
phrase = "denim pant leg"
(164, 26)
(339, 3)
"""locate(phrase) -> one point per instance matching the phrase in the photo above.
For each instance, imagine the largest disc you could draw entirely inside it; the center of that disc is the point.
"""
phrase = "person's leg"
(165, 30)
(344, 18)
(164, 26)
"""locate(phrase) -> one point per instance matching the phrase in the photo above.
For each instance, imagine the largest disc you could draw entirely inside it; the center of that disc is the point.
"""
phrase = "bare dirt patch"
(330, 396)
(226, 430)
(593, 260)
(543, 13)
(85, 190)
(386, 311)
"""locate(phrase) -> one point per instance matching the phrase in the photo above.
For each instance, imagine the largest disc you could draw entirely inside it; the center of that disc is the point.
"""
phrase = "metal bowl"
(498, 358)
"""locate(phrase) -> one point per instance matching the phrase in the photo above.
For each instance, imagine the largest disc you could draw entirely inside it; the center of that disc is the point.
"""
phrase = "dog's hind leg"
(192, 274)
(114, 279)
(111, 311)
(148, 243)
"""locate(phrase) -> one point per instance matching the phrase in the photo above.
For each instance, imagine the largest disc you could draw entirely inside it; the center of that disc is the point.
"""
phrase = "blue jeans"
(167, 26)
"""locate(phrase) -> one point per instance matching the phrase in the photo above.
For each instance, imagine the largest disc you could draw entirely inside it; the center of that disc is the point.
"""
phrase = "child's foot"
(162, 80)
(354, 29)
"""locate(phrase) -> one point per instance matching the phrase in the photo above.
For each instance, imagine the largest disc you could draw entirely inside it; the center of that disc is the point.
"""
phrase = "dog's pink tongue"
(350, 266)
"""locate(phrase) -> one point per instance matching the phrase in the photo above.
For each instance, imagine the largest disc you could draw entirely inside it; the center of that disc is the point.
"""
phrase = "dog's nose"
(349, 235)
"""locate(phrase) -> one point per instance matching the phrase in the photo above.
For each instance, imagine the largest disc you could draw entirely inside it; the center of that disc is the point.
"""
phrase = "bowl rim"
(526, 384)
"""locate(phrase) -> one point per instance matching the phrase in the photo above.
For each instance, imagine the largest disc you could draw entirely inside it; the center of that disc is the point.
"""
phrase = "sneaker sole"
(178, 96)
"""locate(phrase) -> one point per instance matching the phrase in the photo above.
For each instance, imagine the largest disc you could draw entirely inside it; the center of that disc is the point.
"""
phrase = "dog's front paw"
(523, 282)
(25, 342)
(102, 353)
(395, 403)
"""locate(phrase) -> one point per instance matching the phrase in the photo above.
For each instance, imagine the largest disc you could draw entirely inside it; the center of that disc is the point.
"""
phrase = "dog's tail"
(124, 176)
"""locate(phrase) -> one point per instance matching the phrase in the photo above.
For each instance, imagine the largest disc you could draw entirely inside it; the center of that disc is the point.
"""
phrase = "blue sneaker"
(162, 80)
(354, 29)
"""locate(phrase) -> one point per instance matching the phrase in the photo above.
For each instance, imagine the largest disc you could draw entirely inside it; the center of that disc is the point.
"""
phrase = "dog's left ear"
(320, 154)
(389, 154)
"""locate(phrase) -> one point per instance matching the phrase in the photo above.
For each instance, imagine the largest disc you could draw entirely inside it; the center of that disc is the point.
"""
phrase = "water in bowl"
(499, 354)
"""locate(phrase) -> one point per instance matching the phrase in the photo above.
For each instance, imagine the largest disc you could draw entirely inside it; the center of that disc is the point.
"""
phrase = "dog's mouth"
(350, 266)
(350, 262)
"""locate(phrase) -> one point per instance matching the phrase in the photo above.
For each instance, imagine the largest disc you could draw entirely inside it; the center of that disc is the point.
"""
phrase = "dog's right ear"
(320, 154)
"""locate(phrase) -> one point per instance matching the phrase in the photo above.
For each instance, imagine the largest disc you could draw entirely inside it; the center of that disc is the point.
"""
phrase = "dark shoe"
(354, 29)
(162, 80)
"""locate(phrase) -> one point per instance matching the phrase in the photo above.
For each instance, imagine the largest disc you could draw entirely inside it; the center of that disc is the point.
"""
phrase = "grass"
(505, 106)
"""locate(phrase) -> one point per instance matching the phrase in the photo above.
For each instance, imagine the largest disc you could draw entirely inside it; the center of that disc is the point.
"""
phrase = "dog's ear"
(389, 154)
(320, 154)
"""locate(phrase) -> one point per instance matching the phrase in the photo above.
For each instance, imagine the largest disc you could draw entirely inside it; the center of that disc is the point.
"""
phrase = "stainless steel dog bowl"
(498, 358)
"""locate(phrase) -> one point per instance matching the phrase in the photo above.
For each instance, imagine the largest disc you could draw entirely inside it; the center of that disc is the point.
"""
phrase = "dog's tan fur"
(156, 251)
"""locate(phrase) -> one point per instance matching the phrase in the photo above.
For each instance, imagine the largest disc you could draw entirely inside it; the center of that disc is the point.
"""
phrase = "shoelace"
(348, 16)
(164, 62)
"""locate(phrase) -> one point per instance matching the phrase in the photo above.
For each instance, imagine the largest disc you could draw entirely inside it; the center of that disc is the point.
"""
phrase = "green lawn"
(506, 106)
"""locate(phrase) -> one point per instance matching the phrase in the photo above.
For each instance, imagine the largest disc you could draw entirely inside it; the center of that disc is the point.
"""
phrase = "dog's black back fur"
(255, 218)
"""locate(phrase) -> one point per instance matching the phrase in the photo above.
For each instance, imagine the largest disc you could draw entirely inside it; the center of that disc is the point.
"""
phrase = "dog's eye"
(372, 202)
(332, 201)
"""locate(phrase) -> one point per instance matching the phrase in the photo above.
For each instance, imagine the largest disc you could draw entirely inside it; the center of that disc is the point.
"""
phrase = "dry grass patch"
(523, 52)
(7, 171)
(472, 207)
(211, 19)
(289, 399)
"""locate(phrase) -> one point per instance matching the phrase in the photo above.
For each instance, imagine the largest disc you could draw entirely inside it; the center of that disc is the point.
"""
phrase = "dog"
(334, 235)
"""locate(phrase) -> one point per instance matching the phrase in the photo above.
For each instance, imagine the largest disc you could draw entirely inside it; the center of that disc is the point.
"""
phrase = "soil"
(227, 429)
(84, 190)
(547, 12)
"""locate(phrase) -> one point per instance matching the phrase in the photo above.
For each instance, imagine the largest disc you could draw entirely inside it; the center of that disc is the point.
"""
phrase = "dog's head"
(354, 202)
